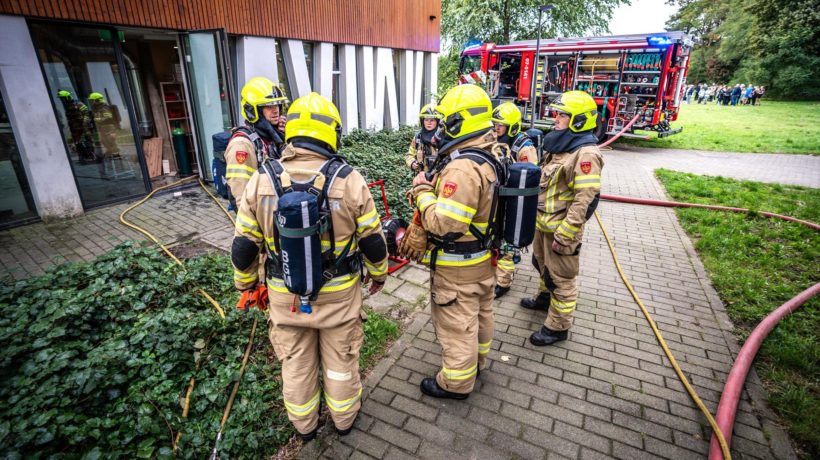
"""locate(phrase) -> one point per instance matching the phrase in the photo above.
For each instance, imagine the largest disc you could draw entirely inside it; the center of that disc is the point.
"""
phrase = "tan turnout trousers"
(558, 273)
(462, 284)
(330, 337)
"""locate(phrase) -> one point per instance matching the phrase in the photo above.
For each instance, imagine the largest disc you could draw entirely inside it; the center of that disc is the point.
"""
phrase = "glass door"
(84, 72)
(206, 66)
(16, 203)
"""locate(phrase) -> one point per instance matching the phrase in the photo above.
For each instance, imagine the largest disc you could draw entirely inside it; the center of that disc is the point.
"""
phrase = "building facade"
(101, 99)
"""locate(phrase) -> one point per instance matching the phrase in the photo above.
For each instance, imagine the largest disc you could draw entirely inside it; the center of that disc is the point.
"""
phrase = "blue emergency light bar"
(658, 41)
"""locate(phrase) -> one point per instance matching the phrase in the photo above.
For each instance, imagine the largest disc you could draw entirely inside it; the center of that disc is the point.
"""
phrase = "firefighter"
(330, 337)
(106, 123)
(422, 152)
(80, 125)
(455, 211)
(261, 137)
(570, 190)
(520, 148)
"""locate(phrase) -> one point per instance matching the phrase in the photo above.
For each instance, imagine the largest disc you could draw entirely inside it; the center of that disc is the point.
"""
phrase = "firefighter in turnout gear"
(422, 153)
(570, 189)
(455, 207)
(260, 138)
(519, 147)
(80, 125)
(330, 336)
(105, 121)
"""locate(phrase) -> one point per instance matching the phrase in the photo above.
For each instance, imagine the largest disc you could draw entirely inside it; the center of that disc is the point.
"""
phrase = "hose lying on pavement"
(722, 427)
(677, 204)
(722, 444)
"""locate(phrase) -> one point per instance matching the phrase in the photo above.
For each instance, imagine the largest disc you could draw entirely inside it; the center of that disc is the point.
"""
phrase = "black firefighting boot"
(500, 291)
(546, 336)
(347, 431)
(540, 302)
(307, 437)
(430, 387)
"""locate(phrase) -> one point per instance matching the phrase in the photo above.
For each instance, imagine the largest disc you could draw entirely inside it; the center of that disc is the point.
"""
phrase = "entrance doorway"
(181, 98)
(163, 110)
(137, 107)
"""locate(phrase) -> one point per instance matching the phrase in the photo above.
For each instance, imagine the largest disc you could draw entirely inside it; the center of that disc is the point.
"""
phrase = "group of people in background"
(724, 94)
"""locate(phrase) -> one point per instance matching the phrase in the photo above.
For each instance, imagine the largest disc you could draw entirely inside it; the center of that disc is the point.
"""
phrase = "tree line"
(773, 43)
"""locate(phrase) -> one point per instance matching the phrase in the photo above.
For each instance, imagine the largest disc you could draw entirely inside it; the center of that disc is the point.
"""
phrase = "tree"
(503, 21)
(775, 43)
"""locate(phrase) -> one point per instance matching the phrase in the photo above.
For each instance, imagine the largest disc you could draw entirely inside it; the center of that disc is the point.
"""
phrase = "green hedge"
(380, 155)
(95, 359)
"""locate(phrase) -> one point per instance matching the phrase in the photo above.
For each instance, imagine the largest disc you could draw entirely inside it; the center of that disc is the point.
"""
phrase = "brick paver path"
(606, 392)
(182, 215)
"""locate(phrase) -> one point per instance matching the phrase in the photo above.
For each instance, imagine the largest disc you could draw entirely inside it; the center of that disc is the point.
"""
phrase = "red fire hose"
(676, 204)
(727, 409)
(737, 376)
(623, 130)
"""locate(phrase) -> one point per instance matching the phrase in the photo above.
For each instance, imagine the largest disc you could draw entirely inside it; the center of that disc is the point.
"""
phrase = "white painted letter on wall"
(378, 105)
(410, 89)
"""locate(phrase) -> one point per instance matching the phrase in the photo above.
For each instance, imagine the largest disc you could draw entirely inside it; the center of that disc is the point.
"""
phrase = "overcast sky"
(642, 16)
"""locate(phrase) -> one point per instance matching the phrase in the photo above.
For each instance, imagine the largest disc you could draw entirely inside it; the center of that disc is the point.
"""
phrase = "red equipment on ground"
(393, 229)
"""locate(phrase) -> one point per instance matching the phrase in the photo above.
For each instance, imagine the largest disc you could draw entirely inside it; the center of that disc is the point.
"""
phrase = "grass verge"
(756, 264)
(96, 359)
(774, 127)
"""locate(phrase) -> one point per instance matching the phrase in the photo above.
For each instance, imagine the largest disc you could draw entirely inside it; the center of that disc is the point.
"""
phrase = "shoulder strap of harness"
(334, 167)
(263, 152)
(480, 157)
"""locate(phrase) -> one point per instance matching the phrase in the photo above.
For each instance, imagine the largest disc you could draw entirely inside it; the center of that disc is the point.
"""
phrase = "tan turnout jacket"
(354, 216)
(569, 183)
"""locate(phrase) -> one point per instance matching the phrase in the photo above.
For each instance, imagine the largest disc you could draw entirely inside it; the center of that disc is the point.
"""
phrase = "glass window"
(84, 82)
(283, 75)
(308, 47)
(209, 91)
(336, 74)
(16, 203)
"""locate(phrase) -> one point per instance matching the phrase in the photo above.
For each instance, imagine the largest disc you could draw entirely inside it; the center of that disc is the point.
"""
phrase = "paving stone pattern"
(184, 214)
(607, 392)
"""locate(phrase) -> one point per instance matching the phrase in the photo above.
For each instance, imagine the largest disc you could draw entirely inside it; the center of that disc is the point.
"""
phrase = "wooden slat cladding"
(404, 24)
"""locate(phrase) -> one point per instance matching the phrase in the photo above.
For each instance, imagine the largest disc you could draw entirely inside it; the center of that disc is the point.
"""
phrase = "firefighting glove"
(414, 244)
(256, 297)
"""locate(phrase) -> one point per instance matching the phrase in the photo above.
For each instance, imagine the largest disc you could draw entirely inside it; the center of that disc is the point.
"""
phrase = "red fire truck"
(628, 75)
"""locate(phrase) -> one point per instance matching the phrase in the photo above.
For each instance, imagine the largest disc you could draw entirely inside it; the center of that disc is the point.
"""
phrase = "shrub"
(96, 358)
(380, 155)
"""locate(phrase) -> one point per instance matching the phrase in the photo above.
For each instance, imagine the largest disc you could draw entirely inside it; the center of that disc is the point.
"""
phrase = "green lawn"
(756, 264)
(774, 127)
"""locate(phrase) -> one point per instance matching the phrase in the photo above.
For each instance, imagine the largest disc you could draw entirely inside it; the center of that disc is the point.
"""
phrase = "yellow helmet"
(260, 92)
(465, 109)
(316, 117)
(428, 111)
(96, 97)
(581, 108)
(508, 114)
(63, 94)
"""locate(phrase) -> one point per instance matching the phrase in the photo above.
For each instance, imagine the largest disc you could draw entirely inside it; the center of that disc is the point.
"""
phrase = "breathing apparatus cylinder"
(520, 201)
(297, 219)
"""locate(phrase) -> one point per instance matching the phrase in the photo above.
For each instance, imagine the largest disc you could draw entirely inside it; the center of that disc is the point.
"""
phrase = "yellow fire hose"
(724, 447)
(226, 413)
(186, 405)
